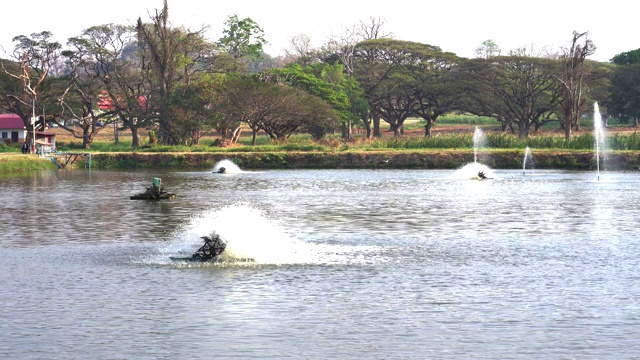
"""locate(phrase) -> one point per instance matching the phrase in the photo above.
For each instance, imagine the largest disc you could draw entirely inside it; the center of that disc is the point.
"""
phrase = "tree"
(488, 49)
(300, 50)
(297, 109)
(522, 90)
(389, 73)
(104, 83)
(436, 85)
(276, 108)
(248, 101)
(322, 80)
(341, 48)
(627, 58)
(167, 55)
(625, 92)
(195, 107)
(572, 75)
(243, 40)
(80, 99)
(396, 99)
(36, 56)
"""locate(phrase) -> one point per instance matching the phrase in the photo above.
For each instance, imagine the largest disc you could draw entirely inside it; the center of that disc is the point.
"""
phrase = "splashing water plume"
(249, 234)
(470, 172)
(228, 166)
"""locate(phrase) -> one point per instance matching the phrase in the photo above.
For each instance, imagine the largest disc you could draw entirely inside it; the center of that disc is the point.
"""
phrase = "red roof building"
(105, 103)
(12, 128)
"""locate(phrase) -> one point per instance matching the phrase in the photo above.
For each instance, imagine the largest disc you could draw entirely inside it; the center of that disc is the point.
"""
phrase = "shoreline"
(425, 159)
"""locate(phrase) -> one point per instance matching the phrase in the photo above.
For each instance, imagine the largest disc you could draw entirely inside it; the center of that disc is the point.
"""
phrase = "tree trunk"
(236, 134)
(116, 137)
(345, 131)
(86, 142)
(523, 131)
(635, 122)
(396, 130)
(135, 139)
(367, 127)
(428, 127)
(376, 126)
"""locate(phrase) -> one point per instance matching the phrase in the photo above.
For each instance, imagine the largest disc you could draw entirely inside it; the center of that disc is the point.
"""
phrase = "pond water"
(345, 264)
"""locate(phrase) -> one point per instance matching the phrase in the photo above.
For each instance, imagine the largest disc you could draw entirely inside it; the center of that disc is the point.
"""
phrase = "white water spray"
(254, 239)
(527, 154)
(228, 166)
(249, 234)
(599, 135)
(472, 170)
(478, 138)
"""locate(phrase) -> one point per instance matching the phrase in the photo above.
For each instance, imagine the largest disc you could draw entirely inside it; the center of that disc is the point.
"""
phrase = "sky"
(458, 26)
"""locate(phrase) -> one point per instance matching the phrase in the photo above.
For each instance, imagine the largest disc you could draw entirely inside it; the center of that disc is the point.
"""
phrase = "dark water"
(348, 264)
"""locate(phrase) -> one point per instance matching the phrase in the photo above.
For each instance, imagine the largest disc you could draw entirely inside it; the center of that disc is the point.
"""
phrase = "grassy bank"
(10, 162)
(380, 159)
(425, 159)
(452, 146)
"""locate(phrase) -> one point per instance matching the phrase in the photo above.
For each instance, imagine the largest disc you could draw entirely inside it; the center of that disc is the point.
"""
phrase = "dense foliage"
(171, 79)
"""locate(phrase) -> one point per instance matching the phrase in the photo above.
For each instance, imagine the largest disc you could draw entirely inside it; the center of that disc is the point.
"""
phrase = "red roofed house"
(12, 128)
(105, 103)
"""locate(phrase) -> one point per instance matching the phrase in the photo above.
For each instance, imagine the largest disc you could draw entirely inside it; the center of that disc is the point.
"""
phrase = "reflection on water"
(347, 264)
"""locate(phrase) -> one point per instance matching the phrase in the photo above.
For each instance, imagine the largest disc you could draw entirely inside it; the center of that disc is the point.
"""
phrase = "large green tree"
(196, 107)
(436, 85)
(399, 76)
(243, 40)
(328, 82)
(625, 92)
(524, 90)
(488, 49)
(276, 108)
(627, 58)
(624, 95)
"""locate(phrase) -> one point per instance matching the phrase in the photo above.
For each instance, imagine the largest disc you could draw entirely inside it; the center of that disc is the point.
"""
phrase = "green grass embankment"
(388, 159)
(11, 162)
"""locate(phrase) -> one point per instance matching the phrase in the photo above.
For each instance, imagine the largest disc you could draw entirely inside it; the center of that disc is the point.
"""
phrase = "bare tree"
(105, 84)
(163, 48)
(343, 45)
(300, 50)
(37, 57)
(372, 29)
(573, 71)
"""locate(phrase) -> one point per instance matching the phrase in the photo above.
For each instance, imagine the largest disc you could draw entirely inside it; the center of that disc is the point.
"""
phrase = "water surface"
(353, 264)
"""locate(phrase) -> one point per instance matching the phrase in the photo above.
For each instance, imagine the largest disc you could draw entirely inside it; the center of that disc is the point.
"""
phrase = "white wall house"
(12, 128)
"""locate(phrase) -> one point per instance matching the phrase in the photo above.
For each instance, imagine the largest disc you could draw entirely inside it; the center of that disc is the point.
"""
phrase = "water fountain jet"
(527, 154)
(478, 137)
(474, 170)
(598, 131)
